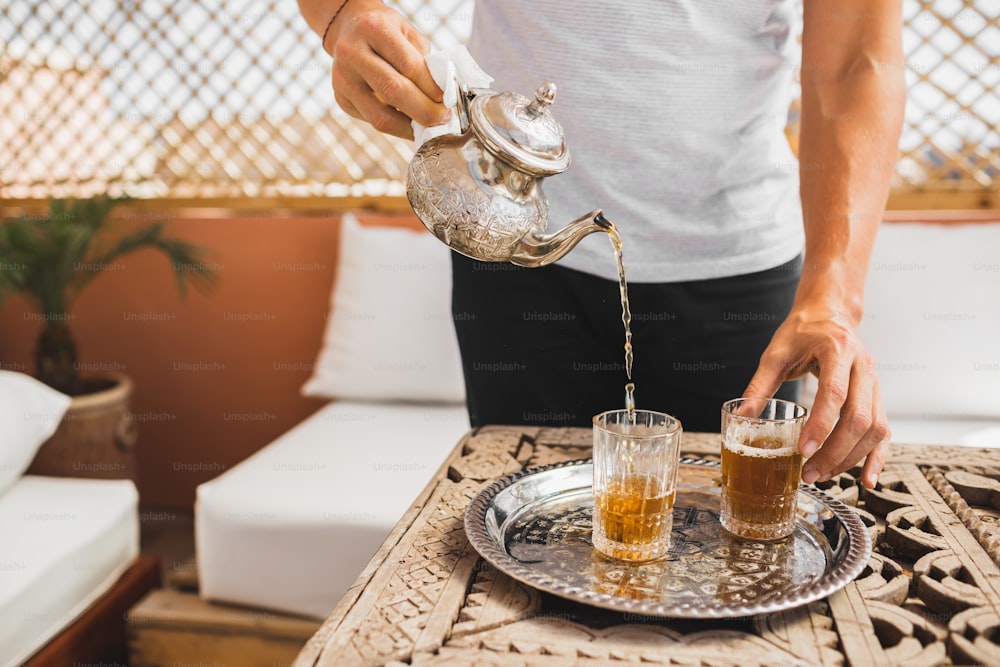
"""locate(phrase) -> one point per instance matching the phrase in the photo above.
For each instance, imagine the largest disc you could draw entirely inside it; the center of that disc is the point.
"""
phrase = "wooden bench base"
(170, 627)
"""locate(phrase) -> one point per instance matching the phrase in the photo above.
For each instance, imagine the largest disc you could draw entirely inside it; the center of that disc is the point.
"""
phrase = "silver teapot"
(480, 191)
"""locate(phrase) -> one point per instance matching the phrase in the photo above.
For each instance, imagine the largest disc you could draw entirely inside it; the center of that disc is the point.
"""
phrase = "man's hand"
(847, 417)
(379, 72)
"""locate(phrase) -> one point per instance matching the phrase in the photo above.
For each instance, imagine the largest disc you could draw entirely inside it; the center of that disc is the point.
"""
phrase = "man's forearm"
(851, 121)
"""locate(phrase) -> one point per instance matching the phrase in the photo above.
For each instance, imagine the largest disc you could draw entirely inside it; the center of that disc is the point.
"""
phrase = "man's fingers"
(394, 69)
(400, 45)
(380, 74)
(356, 99)
(876, 438)
(831, 394)
(385, 119)
(416, 68)
(766, 380)
(750, 406)
(874, 464)
(346, 106)
(855, 419)
(394, 90)
(861, 430)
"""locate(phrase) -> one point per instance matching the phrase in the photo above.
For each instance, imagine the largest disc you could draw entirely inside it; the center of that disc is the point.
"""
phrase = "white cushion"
(389, 336)
(65, 542)
(311, 508)
(932, 313)
(30, 412)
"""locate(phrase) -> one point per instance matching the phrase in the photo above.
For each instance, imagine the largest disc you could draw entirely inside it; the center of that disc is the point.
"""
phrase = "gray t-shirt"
(674, 113)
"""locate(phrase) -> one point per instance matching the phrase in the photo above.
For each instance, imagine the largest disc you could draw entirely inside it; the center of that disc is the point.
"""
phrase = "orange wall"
(217, 376)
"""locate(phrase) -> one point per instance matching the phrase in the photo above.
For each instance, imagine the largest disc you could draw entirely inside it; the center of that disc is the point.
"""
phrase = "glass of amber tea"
(761, 467)
(636, 454)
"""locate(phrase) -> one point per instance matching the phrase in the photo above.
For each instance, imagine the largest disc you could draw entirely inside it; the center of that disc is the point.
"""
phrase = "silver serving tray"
(535, 526)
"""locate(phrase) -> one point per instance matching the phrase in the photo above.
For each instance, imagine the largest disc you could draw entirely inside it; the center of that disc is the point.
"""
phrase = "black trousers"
(545, 346)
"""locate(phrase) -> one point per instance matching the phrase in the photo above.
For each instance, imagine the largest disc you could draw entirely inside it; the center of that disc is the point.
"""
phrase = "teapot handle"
(465, 97)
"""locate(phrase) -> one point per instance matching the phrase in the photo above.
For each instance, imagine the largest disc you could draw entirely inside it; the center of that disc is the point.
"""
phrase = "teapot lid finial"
(520, 131)
(545, 95)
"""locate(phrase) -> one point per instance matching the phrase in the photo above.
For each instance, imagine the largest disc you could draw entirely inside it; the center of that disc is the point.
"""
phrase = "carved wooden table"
(930, 594)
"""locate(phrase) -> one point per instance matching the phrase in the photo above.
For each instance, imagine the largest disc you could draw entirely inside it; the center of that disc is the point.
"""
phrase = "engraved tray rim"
(839, 574)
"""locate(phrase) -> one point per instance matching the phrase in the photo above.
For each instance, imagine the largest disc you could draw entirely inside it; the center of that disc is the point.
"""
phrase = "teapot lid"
(520, 131)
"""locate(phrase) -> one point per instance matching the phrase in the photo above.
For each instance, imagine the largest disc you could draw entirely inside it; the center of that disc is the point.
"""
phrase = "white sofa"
(292, 526)
(63, 542)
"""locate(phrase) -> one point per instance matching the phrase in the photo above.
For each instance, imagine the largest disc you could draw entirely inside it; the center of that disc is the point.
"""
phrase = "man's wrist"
(827, 293)
(329, 23)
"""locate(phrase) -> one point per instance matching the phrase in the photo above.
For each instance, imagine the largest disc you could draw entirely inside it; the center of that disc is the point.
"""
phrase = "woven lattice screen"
(951, 140)
(230, 99)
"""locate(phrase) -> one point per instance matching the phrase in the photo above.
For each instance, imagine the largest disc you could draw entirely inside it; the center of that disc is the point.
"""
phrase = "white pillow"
(30, 412)
(389, 334)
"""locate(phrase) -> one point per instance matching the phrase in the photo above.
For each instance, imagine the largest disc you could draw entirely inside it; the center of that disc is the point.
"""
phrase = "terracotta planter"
(96, 437)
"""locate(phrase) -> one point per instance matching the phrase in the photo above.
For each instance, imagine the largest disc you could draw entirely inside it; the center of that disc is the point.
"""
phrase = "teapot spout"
(538, 249)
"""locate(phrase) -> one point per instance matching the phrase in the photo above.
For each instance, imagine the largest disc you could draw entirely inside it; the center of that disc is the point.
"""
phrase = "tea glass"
(635, 478)
(761, 467)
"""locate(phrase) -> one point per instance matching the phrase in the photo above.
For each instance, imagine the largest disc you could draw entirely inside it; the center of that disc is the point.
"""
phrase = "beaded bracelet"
(332, 19)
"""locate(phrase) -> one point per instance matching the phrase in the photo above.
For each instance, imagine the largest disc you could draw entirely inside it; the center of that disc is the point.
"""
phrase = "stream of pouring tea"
(616, 243)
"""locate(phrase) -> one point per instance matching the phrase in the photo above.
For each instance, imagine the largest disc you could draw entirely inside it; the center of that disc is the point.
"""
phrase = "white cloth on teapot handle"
(449, 69)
